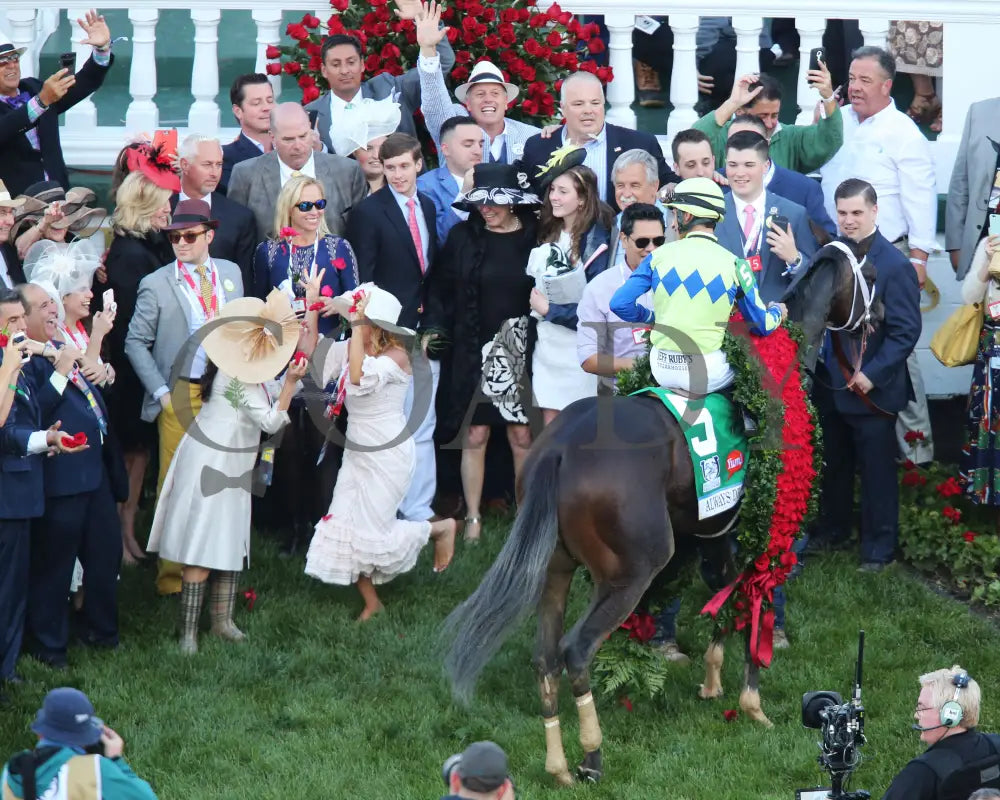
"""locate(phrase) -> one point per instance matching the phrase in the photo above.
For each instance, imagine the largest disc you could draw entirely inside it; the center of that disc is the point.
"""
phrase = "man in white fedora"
(485, 95)
(11, 271)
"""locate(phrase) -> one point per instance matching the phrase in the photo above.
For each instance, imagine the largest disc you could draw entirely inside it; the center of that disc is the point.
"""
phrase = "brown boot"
(192, 598)
(647, 81)
(221, 607)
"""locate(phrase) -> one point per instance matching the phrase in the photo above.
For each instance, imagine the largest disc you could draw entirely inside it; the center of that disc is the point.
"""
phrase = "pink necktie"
(415, 232)
(748, 223)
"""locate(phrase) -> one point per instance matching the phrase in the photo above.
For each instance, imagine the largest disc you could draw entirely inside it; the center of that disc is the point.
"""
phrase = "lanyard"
(751, 245)
(81, 346)
(209, 312)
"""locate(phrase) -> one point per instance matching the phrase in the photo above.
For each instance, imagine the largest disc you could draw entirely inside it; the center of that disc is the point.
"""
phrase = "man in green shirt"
(803, 148)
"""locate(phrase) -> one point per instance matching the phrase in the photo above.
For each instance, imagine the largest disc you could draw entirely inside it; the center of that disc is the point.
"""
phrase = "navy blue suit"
(80, 521)
(617, 140)
(854, 433)
(806, 192)
(770, 280)
(21, 499)
(240, 149)
(442, 188)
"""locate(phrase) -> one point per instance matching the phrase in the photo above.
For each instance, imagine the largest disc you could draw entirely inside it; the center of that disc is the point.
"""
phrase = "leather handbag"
(954, 344)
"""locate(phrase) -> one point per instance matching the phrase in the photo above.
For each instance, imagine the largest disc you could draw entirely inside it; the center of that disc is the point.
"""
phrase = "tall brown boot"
(192, 598)
(647, 81)
(223, 602)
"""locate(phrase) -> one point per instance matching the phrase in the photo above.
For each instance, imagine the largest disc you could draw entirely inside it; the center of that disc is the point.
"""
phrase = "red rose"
(272, 52)
(287, 232)
(492, 42)
(489, 15)
(605, 74)
(309, 94)
(554, 11)
(313, 307)
(554, 39)
(306, 81)
(273, 69)
(335, 24)
(528, 72)
(730, 714)
(532, 47)
(789, 559)
(310, 21)
(298, 356)
(372, 62)
(297, 32)
(339, 263)
(4, 341)
(913, 436)
(970, 536)
(763, 563)
(529, 107)
(564, 18)
(390, 51)
(292, 67)
(340, 5)
(509, 15)
(76, 440)
(463, 57)
(460, 73)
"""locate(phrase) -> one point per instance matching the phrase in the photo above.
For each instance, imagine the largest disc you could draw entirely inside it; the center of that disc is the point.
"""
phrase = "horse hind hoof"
(588, 774)
(750, 705)
(710, 693)
(563, 778)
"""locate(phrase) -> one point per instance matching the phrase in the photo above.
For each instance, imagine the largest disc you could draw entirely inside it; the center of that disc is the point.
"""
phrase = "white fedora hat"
(486, 72)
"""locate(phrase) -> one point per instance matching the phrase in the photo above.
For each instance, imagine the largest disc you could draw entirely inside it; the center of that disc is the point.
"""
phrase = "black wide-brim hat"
(189, 213)
(561, 161)
(498, 185)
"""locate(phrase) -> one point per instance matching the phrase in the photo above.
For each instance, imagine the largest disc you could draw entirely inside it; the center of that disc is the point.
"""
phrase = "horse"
(609, 486)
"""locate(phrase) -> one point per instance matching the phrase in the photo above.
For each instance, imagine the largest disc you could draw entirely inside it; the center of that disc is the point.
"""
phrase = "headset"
(951, 713)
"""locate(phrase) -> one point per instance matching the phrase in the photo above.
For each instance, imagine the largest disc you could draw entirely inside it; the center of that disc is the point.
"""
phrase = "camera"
(18, 339)
(843, 729)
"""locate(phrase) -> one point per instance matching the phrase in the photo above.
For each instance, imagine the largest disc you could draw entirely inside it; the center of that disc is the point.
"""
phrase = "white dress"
(203, 513)
(361, 534)
(557, 379)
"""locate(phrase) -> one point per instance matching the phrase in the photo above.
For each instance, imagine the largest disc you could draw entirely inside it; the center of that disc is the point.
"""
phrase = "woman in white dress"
(574, 229)
(202, 516)
(360, 540)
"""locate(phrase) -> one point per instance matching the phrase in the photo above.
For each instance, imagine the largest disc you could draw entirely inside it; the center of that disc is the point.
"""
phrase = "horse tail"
(512, 586)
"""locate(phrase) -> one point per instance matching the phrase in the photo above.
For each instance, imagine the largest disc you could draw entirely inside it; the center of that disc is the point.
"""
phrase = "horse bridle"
(867, 294)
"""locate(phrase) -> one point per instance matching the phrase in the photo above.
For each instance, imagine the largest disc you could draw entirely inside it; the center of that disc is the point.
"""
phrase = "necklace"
(515, 227)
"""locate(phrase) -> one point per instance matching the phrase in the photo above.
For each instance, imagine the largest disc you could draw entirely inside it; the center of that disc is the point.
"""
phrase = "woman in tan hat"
(360, 540)
(202, 516)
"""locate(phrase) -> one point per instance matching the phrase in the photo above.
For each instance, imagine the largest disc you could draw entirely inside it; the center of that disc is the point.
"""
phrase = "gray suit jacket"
(404, 89)
(158, 343)
(256, 183)
(971, 181)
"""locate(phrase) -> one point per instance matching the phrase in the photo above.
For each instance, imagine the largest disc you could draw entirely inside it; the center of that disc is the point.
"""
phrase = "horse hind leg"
(548, 659)
(715, 655)
(750, 696)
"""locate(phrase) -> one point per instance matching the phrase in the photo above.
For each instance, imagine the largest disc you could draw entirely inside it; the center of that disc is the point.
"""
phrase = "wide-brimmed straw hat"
(252, 339)
(78, 217)
(498, 185)
(6, 201)
(486, 72)
(383, 308)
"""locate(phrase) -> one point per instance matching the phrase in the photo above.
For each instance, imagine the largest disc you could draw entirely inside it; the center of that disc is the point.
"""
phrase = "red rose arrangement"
(535, 48)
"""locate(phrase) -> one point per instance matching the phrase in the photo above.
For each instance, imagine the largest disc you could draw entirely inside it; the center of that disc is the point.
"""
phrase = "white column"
(84, 113)
(684, 80)
(621, 90)
(204, 115)
(268, 20)
(747, 43)
(22, 34)
(810, 35)
(875, 30)
(142, 115)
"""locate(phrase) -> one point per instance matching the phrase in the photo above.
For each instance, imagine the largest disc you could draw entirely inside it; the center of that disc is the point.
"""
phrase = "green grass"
(315, 705)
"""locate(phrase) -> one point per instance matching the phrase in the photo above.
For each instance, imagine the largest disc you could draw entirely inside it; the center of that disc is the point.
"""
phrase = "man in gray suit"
(972, 194)
(343, 69)
(173, 303)
(256, 183)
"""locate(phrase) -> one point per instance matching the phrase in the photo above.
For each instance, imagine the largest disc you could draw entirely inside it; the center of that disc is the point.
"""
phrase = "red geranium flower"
(970, 536)
(952, 514)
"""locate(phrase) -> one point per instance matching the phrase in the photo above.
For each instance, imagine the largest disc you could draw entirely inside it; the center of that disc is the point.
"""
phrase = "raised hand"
(429, 30)
(742, 95)
(103, 322)
(820, 80)
(407, 9)
(312, 282)
(98, 33)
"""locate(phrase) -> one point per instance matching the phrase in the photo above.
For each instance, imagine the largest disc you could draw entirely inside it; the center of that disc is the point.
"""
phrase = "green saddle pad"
(717, 443)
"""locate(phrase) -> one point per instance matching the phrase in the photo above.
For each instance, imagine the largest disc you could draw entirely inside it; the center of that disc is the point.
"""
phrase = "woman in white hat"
(360, 134)
(202, 516)
(360, 540)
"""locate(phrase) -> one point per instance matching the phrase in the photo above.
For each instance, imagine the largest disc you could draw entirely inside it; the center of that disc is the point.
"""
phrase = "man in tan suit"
(256, 183)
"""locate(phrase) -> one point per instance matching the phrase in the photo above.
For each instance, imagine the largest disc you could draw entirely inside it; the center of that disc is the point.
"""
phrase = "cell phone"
(17, 340)
(67, 61)
(313, 116)
(108, 301)
(816, 55)
(779, 221)
(994, 224)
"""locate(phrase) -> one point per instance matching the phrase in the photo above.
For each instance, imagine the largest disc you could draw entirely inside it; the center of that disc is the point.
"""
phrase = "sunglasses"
(643, 241)
(189, 237)
(9, 60)
(307, 205)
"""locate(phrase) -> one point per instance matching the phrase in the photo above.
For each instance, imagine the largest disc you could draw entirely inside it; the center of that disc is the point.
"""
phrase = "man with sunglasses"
(605, 343)
(30, 150)
(172, 305)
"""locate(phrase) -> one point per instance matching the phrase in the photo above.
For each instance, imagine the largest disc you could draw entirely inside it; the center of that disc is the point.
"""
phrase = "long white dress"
(202, 517)
(361, 534)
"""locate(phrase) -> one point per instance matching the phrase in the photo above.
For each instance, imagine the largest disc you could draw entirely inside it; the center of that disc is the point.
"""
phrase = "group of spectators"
(501, 263)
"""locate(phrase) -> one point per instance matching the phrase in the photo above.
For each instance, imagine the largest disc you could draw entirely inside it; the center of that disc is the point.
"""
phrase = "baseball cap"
(483, 767)
(67, 717)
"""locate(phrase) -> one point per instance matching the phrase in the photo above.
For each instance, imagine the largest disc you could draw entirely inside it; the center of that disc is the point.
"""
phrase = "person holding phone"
(30, 150)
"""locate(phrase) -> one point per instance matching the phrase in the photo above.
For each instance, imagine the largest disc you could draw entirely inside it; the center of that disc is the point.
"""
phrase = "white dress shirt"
(741, 219)
(402, 199)
(459, 180)
(309, 168)
(890, 152)
(597, 159)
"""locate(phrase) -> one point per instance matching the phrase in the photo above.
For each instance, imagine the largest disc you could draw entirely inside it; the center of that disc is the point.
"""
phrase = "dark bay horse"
(609, 486)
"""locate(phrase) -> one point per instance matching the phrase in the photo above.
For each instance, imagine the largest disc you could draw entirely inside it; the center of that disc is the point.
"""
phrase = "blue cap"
(67, 717)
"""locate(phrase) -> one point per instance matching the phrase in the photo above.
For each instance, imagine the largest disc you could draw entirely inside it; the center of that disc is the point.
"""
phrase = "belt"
(190, 380)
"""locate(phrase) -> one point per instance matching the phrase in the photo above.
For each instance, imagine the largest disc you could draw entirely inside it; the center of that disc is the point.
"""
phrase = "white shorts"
(694, 374)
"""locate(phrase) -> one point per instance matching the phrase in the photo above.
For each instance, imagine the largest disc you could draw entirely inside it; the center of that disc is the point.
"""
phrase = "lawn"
(315, 705)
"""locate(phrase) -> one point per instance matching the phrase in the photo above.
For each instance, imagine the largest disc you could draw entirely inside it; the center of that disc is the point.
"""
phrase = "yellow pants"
(171, 429)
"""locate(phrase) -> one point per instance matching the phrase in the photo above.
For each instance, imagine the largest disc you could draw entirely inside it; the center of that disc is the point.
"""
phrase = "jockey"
(695, 283)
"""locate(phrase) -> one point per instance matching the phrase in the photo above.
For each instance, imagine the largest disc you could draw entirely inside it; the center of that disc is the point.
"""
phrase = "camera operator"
(958, 759)
(480, 773)
(77, 756)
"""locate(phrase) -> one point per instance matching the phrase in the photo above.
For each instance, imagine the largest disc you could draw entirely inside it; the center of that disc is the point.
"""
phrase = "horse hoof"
(710, 694)
(588, 774)
(563, 778)
(750, 705)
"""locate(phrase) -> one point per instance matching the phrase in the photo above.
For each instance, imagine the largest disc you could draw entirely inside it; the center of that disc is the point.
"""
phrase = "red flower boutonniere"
(251, 597)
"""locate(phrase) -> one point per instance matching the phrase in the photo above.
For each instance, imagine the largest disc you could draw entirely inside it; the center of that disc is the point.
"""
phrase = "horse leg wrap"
(590, 728)
(750, 704)
(712, 687)
(555, 757)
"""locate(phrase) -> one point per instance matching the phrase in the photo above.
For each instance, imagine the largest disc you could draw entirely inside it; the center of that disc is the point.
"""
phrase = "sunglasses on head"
(307, 205)
(188, 236)
(643, 241)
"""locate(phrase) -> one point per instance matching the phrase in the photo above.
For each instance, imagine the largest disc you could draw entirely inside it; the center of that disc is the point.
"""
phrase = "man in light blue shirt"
(634, 179)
